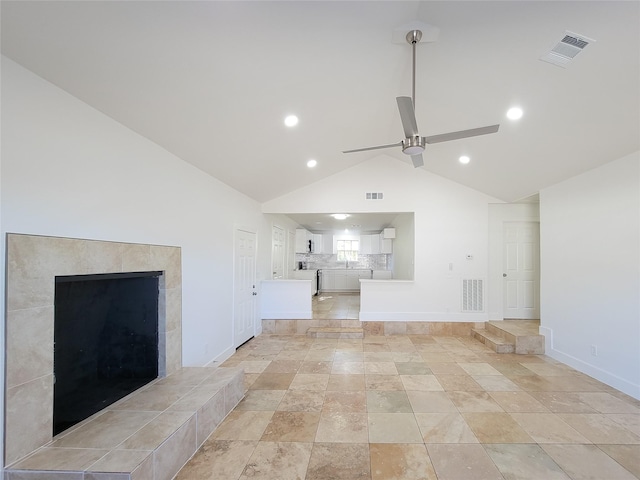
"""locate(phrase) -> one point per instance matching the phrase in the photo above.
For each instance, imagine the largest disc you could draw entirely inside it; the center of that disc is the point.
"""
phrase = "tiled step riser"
(335, 332)
(498, 347)
(495, 330)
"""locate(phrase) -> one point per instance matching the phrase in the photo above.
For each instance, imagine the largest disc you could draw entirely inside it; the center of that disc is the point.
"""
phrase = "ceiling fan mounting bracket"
(414, 36)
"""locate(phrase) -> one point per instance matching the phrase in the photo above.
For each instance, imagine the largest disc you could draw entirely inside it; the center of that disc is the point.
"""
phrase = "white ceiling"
(355, 222)
(212, 81)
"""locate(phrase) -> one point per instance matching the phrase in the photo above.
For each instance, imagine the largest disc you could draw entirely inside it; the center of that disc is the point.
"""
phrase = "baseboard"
(222, 357)
(422, 317)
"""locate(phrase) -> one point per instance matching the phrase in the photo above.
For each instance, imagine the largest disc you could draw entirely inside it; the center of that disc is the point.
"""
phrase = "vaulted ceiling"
(212, 82)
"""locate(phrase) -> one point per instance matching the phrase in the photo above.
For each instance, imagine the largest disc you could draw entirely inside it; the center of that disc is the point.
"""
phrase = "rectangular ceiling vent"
(566, 49)
(373, 195)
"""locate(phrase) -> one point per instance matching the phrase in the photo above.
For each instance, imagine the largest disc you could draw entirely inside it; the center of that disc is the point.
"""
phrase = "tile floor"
(411, 407)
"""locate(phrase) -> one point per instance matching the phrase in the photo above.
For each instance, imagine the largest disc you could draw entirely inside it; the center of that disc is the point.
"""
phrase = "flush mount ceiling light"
(464, 159)
(339, 216)
(311, 163)
(514, 113)
(291, 121)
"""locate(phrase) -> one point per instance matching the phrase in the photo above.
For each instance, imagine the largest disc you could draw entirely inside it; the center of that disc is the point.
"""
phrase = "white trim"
(288, 315)
(422, 317)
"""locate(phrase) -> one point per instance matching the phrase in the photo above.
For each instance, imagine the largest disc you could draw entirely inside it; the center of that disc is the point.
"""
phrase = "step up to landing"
(511, 336)
(335, 332)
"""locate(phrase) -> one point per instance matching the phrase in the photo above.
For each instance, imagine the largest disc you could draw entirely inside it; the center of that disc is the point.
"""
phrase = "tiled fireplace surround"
(32, 264)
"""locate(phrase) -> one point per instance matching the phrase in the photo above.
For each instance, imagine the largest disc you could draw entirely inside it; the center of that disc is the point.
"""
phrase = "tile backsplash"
(316, 261)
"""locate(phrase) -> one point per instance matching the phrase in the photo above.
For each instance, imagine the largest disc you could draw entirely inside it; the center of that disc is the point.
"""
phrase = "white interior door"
(291, 254)
(277, 255)
(521, 270)
(244, 287)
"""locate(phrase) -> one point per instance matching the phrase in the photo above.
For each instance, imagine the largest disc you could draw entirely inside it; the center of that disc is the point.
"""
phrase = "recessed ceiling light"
(514, 113)
(339, 216)
(291, 121)
(464, 159)
(311, 163)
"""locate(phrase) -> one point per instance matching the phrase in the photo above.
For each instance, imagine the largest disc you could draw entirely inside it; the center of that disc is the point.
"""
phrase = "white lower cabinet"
(336, 280)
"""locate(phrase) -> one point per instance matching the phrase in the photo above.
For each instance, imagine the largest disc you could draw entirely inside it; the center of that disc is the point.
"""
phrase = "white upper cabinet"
(370, 244)
(386, 244)
(303, 237)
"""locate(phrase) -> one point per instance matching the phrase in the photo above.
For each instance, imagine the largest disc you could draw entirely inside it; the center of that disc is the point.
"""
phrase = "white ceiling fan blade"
(417, 160)
(373, 148)
(408, 116)
(474, 132)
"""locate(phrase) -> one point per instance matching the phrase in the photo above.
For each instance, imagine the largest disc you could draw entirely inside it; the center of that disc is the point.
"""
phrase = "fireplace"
(105, 341)
(33, 264)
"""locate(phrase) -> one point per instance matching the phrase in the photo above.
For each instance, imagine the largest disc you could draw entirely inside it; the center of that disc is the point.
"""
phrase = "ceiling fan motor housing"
(414, 145)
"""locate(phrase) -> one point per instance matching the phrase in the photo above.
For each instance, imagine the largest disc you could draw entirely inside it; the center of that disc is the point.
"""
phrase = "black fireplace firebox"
(105, 341)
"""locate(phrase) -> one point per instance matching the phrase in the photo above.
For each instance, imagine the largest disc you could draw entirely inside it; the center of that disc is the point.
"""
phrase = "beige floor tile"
(533, 383)
(597, 428)
(495, 383)
(302, 401)
(563, 402)
(380, 368)
(413, 368)
(378, 357)
(423, 383)
(310, 381)
(315, 367)
(525, 462)
(383, 382)
(283, 366)
(291, 427)
(521, 402)
(267, 400)
(492, 427)
(61, 459)
(548, 428)
(446, 368)
(458, 383)
(347, 368)
(474, 401)
(398, 461)
(342, 427)
(626, 455)
(242, 426)
(478, 369)
(332, 461)
(346, 382)
(278, 461)
(430, 402)
(444, 428)
(406, 356)
(218, 459)
(342, 356)
(631, 421)
(354, 401)
(273, 381)
(462, 462)
(604, 402)
(393, 428)
(254, 366)
(587, 462)
(388, 402)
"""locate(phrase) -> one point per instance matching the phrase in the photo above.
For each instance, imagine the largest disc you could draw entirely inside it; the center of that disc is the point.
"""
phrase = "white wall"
(403, 247)
(590, 263)
(450, 221)
(68, 170)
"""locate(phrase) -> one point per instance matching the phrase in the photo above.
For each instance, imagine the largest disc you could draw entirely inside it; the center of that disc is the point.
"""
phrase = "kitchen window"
(347, 250)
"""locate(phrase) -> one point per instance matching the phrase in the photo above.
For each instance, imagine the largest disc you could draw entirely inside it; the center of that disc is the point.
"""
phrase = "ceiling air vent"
(566, 49)
(374, 195)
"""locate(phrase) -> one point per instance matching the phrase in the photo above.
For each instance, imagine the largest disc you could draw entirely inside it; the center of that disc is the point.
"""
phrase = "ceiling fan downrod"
(413, 37)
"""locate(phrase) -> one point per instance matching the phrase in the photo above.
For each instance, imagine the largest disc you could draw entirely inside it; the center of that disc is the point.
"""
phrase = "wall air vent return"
(472, 295)
(566, 49)
(374, 195)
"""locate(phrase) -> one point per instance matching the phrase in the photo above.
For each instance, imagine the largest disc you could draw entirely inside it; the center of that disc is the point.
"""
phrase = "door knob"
(504, 274)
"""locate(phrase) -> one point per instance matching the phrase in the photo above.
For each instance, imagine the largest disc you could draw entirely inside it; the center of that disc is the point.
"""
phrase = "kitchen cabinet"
(370, 244)
(322, 243)
(386, 244)
(335, 280)
(303, 237)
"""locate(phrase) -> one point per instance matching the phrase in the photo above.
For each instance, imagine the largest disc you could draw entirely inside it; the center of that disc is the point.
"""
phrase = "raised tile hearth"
(148, 435)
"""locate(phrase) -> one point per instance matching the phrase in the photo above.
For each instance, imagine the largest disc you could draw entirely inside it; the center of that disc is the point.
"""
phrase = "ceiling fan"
(414, 144)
